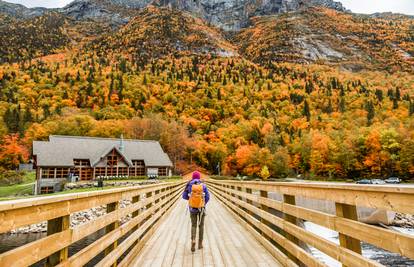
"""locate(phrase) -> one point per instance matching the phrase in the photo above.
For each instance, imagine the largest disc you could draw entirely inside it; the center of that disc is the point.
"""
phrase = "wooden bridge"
(244, 226)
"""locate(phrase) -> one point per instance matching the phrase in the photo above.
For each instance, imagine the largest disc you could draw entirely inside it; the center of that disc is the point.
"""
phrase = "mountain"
(31, 38)
(297, 86)
(230, 15)
(110, 12)
(311, 31)
(157, 32)
(52, 32)
(321, 35)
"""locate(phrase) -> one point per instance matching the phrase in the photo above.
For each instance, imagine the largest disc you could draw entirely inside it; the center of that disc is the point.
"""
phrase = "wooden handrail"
(395, 198)
(146, 214)
(251, 204)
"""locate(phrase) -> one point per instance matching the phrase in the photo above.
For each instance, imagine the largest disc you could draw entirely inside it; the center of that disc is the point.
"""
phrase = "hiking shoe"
(200, 245)
(193, 246)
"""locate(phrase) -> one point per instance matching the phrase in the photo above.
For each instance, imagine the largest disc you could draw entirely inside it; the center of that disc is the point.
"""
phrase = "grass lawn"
(19, 189)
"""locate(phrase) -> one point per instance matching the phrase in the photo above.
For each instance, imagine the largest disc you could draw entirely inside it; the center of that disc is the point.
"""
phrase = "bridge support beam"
(349, 212)
(54, 226)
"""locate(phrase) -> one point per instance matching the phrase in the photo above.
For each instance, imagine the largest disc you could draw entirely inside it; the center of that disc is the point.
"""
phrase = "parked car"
(364, 181)
(393, 180)
(378, 181)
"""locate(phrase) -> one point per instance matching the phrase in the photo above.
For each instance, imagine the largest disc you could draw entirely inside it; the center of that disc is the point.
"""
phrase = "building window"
(76, 172)
(86, 173)
(111, 171)
(140, 168)
(122, 171)
(81, 162)
(140, 172)
(100, 172)
(48, 173)
(132, 171)
(138, 163)
(46, 189)
(162, 171)
(62, 172)
(112, 160)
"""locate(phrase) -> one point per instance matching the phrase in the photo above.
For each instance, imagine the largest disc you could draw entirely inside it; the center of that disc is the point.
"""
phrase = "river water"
(382, 256)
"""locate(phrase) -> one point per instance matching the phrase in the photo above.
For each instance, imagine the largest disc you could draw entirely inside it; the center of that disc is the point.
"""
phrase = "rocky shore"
(403, 220)
(70, 186)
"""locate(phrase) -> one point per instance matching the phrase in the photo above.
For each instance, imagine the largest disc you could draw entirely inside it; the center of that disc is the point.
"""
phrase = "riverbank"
(403, 221)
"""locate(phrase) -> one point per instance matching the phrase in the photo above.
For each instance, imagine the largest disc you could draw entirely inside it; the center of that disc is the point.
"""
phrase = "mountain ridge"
(311, 34)
(229, 15)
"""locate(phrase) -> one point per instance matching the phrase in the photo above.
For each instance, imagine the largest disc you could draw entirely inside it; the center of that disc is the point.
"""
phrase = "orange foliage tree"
(12, 152)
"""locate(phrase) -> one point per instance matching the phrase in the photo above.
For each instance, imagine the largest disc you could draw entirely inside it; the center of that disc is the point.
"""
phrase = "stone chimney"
(121, 144)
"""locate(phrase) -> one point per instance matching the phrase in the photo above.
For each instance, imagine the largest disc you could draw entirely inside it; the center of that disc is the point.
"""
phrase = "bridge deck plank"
(226, 242)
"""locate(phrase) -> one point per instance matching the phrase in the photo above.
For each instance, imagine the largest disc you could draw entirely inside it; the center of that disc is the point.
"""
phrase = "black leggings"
(195, 219)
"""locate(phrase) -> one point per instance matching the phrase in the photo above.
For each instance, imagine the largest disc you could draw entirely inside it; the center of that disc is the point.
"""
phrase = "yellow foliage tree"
(264, 173)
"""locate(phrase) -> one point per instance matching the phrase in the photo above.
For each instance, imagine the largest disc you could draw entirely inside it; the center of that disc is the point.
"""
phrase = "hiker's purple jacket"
(187, 191)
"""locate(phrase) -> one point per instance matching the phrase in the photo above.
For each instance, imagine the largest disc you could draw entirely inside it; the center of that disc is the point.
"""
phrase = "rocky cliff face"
(230, 15)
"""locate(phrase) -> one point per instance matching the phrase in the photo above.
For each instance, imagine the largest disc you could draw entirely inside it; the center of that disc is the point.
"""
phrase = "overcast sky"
(359, 6)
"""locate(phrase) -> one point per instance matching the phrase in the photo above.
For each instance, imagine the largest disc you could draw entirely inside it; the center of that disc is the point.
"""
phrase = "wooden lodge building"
(88, 158)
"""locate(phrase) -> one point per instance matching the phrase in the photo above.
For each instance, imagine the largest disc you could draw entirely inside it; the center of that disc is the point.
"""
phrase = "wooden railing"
(149, 204)
(283, 236)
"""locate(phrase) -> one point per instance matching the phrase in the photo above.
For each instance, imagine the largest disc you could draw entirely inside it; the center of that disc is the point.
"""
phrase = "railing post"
(54, 226)
(232, 187)
(249, 191)
(135, 213)
(290, 199)
(263, 207)
(349, 212)
(240, 190)
(157, 192)
(111, 207)
(148, 195)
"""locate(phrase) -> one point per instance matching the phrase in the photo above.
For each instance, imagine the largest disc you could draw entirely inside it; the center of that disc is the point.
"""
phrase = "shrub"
(11, 177)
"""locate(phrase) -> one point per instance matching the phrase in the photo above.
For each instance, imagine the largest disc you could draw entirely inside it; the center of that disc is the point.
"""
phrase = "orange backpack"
(196, 200)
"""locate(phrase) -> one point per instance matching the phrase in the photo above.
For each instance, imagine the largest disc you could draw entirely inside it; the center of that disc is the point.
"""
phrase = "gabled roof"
(61, 150)
(94, 163)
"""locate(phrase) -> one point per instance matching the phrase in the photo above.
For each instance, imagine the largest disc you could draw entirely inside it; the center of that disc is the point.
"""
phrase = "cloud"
(42, 3)
(373, 6)
(358, 6)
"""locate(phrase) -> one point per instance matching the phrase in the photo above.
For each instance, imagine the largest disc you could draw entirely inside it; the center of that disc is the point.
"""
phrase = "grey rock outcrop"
(94, 10)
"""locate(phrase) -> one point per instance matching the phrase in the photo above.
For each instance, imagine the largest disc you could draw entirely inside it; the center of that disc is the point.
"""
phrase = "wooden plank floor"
(226, 242)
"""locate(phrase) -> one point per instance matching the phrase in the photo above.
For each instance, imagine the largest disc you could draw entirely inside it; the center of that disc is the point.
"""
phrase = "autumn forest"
(217, 105)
